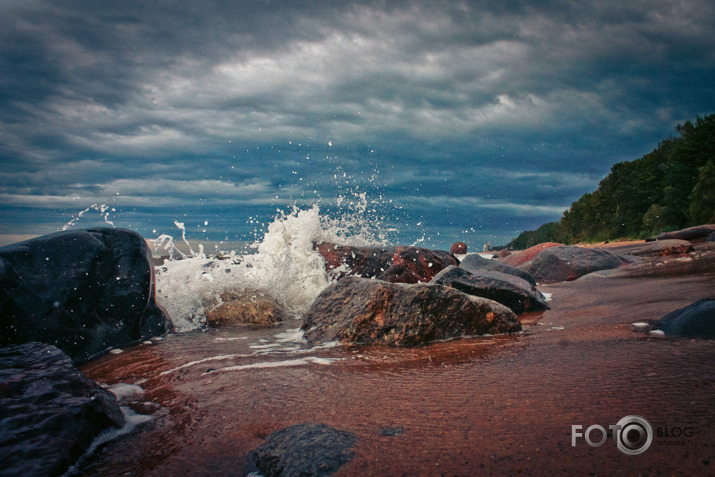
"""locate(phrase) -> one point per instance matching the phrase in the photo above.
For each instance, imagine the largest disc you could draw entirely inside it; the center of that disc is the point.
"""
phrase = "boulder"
(558, 264)
(699, 232)
(302, 450)
(660, 247)
(509, 290)
(361, 310)
(458, 248)
(393, 264)
(247, 307)
(49, 411)
(516, 259)
(474, 262)
(694, 321)
(83, 291)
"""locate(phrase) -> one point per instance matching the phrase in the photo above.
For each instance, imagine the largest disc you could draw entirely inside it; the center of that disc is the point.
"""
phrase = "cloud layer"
(508, 110)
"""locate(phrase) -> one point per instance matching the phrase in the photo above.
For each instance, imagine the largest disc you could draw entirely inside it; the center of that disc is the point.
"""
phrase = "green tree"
(702, 198)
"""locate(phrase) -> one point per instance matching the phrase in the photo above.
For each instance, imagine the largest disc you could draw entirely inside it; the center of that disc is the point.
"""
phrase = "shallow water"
(489, 405)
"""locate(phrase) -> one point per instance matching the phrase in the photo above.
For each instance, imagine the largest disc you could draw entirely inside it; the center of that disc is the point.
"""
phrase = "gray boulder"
(83, 291)
(49, 411)
(699, 232)
(558, 264)
(693, 321)
(509, 290)
(474, 262)
(302, 450)
(361, 310)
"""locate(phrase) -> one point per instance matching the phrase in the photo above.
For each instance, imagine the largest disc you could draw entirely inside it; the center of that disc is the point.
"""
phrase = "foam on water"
(279, 364)
(284, 265)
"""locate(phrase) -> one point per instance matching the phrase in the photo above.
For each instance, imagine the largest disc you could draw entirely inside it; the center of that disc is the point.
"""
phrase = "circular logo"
(634, 435)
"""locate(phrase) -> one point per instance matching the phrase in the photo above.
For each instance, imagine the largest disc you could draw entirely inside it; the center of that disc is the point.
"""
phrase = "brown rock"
(359, 310)
(518, 258)
(392, 264)
(459, 248)
(247, 308)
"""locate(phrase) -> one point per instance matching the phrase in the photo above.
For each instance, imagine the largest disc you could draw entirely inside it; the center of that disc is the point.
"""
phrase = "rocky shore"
(575, 352)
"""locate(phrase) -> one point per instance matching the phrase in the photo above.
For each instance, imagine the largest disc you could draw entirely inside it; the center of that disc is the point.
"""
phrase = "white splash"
(280, 364)
(285, 265)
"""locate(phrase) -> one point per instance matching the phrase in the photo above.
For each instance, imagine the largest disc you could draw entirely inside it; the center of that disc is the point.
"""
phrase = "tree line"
(670, 188)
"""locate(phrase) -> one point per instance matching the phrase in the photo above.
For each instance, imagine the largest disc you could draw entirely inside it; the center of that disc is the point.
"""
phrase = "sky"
(457, 120)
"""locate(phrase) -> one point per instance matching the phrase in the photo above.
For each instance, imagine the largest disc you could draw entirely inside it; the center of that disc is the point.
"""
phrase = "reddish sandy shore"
(486, 406)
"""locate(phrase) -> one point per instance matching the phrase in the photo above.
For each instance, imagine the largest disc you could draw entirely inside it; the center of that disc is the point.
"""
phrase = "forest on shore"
(670, 188)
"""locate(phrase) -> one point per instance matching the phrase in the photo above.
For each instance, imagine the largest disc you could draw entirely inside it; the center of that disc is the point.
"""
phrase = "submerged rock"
(391, 264)
(509, 290)
(693, 321)
(49, 411)
(360, 310)
(303, 450)
(475, 262)
(558, 264)
(516, 259)
(83, 291)
(249, 307)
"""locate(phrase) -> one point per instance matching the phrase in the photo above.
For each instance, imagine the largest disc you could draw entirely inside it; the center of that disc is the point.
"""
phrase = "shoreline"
(489, 405)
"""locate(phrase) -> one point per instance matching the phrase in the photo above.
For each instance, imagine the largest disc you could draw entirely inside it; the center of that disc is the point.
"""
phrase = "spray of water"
(284, 264)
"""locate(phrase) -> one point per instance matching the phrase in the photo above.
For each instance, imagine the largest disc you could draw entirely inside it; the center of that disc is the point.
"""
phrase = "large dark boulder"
(474, 262)
(83, 291)
(392, 264)
(303, 450)
(558, 264)
(361, 310)
(509, 290)
(699, 232)
(694, 321)
(49, 411)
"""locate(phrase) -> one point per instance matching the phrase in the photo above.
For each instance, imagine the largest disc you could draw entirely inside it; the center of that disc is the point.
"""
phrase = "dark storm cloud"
(508, 107)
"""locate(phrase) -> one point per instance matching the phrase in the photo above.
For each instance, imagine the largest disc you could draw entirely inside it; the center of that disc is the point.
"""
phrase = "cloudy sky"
(460, 120)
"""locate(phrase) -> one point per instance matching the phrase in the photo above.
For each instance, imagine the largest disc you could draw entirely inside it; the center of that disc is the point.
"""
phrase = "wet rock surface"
(303, 450)
(699, 232)
(474, 262)
(83, 291)
(359, 310)
(519, 258)
(693, 321)
(509, 290)
(558, 264)
(49, 411)
(391, 264)
(246, 308)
